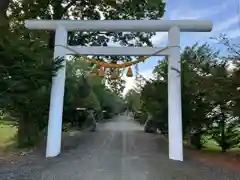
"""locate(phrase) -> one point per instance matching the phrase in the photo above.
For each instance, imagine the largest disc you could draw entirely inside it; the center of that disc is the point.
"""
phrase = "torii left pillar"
(57, 96)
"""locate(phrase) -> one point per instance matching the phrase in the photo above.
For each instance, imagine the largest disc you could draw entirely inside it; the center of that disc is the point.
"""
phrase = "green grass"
(212, 147)
(7, 133)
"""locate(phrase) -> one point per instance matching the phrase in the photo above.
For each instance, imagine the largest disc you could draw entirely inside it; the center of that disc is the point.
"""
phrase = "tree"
(27, 68)
(210, 95)
(233, 59)
(195, 62)
(155, 103)
(225, 96)
(3, 9)
(25, 86)
(94, 10)
(226, 133)
(133, 100)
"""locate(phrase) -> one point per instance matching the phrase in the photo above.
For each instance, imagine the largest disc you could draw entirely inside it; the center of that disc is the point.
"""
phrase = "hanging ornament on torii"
(115, 74)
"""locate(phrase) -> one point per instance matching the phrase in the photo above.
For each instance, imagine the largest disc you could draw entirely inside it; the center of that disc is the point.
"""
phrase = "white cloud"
(226, 24)
(225, 27)
(193, 13)
(147, 74)
(159, 37)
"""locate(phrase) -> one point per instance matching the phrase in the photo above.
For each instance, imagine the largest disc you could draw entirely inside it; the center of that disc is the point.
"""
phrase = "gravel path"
(118, 150)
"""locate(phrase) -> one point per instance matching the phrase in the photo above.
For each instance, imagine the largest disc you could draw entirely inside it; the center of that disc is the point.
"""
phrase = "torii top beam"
(121, 25)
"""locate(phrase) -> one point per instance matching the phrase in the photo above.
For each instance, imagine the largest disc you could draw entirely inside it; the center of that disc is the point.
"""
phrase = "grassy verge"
(7, 132)
(211, 147)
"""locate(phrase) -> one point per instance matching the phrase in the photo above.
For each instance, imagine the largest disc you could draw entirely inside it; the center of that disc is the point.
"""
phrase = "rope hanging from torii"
(115, 74)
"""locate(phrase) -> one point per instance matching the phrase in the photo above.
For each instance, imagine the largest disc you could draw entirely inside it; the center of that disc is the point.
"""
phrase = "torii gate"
(173, 27)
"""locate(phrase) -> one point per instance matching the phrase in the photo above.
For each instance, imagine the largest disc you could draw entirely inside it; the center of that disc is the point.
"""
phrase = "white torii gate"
(173, 27)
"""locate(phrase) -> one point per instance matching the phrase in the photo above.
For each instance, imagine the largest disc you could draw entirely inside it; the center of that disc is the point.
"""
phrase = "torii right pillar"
(174, 96)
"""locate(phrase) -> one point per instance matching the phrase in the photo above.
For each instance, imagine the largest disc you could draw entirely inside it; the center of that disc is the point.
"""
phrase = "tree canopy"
(210, 95)
(27, 66)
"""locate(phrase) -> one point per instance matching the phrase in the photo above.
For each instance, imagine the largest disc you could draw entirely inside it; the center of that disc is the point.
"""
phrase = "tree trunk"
(28, 133)
(223, 150)
(222, 131)
(3, 9)
(189, 136)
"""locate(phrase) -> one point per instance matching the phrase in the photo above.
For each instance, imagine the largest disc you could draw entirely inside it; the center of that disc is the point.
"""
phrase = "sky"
(225, 16)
